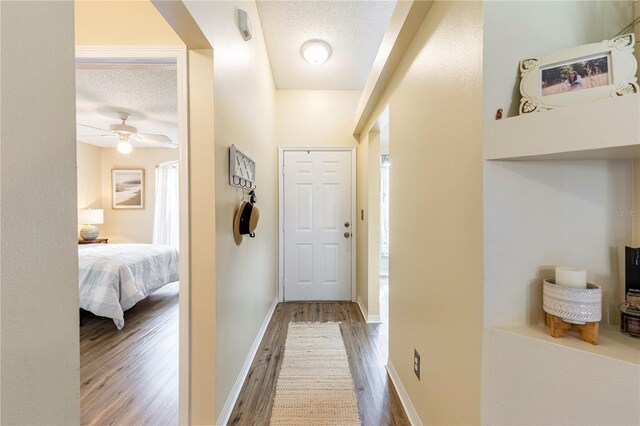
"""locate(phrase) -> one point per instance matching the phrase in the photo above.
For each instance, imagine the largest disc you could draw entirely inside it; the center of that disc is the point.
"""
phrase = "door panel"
(317, 205)
(304, 215)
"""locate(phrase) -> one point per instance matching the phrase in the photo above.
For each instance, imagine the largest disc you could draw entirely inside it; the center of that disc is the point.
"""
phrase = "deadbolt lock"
(346, 224)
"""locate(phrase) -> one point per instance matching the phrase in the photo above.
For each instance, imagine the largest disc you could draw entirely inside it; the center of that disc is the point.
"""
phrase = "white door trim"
(281, 151)
(177, 54)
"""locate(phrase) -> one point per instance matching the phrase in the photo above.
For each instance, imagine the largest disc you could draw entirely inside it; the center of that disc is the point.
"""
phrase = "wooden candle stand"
(588, 332)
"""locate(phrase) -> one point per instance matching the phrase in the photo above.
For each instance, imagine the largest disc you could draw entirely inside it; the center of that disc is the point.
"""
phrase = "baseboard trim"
(374, 319)
(363, 310)
(412, 414)
(371, 319)
(223, 419)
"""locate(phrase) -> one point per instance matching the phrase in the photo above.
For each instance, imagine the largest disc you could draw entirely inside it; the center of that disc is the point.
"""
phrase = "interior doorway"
(142, 170)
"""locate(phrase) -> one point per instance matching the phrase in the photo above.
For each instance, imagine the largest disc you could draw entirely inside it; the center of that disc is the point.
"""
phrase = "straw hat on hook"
(245, 221)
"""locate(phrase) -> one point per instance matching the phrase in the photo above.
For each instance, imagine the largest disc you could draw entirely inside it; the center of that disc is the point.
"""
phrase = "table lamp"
(89, 218)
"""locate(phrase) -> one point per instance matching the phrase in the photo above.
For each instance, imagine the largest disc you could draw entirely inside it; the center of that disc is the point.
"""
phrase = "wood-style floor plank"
(377, 400)
(130, 377)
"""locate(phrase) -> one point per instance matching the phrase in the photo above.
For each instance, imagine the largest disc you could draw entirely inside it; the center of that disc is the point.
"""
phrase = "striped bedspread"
(114, 277)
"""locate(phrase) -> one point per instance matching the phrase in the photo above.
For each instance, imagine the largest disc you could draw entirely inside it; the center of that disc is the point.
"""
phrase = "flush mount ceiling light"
(316, 52)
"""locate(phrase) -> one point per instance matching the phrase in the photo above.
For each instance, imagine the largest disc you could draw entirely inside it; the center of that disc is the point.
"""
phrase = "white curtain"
(384, 205)
(166, 222)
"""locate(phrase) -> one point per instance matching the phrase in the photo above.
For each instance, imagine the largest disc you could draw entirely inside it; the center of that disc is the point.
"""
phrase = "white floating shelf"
(613, 344)
(530, 377)
(608, 129)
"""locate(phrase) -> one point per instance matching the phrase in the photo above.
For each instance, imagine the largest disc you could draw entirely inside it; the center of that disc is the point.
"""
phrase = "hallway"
(377, 399)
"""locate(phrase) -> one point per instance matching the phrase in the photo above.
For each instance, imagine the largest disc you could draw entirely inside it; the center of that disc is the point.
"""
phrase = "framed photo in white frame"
(127, 189)
(580, 74)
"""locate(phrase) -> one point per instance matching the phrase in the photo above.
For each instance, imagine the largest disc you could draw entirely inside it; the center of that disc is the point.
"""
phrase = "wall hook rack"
(242, 170)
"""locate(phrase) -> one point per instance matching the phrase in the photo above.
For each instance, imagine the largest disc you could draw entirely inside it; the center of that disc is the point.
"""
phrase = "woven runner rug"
(315, 386)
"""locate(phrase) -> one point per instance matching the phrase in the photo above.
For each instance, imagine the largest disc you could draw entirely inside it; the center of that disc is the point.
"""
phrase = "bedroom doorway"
(132, 179)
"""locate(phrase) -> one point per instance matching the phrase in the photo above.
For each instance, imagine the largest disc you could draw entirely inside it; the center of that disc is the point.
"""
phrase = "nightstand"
(96, 241)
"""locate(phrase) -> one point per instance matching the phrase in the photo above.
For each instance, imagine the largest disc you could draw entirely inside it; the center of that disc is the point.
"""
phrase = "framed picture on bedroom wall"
(127, 189)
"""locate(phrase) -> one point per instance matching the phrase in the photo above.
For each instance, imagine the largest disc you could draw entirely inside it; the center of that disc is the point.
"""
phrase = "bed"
(114, 277)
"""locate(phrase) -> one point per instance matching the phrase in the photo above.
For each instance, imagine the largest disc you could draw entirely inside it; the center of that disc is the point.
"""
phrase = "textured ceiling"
(353, 29)
(148, 94)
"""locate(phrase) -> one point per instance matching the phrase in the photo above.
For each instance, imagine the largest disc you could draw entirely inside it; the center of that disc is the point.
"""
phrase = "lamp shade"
(91, 216)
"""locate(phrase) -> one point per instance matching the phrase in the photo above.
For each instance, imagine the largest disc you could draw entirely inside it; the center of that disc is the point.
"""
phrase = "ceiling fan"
(124, 133)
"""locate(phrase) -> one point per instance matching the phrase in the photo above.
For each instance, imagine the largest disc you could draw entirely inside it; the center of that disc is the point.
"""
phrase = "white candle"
(571, 277)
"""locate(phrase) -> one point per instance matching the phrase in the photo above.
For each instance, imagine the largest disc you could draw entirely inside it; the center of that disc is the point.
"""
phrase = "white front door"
(317, 225)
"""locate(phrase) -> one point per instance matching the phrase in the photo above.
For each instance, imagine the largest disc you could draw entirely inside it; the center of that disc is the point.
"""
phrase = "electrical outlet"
(416, 363)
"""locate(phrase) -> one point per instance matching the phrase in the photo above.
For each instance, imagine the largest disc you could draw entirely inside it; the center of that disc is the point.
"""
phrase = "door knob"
(347, 235)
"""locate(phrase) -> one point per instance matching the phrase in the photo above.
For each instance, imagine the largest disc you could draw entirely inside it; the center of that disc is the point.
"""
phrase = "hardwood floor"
(377, 400)
(131, 376)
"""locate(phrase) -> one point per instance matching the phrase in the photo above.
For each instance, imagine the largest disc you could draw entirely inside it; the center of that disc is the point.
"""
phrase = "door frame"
(281, 151)
(177, 55)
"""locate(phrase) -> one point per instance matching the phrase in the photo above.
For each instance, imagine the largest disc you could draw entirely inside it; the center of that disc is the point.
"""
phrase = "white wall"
(245, 99)
(94, 189)
(89, 161)
(554, 212)
(515, 30)
(131, 226)
(122, 23)
(39, 359)
(197, 358)
(435, 141)
(539, 215)
(315, 117)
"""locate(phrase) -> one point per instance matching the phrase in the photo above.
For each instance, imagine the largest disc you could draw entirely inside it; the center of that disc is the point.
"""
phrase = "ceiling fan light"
(124, 147)
(316, 52)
